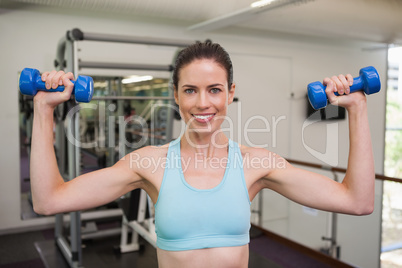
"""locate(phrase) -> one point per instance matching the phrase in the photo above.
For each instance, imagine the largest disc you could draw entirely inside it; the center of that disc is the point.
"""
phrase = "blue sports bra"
(188, 218)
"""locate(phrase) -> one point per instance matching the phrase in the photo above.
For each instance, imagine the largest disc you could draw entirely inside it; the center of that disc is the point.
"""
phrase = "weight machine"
(67, 59)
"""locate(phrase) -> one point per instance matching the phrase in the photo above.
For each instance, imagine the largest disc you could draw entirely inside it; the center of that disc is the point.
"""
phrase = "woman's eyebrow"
(188, 85)
(215, 85)
(193, 86)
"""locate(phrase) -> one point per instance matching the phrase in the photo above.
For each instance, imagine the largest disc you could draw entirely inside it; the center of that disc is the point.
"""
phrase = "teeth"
(203, 117)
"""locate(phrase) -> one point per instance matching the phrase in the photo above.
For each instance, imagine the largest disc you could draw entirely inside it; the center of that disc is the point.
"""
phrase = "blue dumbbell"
(31, 82)
(368, 81)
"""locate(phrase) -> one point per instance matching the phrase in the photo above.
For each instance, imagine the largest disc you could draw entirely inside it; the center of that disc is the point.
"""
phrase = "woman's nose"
(202, 100)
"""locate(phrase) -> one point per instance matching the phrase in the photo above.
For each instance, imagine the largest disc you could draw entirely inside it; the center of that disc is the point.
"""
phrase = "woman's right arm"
(50, 193)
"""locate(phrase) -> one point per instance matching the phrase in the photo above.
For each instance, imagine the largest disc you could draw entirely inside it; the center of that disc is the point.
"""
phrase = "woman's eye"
(189, 90)
(215, 90)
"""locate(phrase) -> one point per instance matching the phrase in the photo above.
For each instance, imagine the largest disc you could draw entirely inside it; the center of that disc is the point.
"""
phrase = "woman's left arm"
(355, 194)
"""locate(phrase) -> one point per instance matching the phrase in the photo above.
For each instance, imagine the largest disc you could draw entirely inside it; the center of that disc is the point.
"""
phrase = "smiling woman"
(203, 87)
(203, 95)
(202, 215)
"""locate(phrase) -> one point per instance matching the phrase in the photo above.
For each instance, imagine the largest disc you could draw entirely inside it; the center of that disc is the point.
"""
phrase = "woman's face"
(203, 95)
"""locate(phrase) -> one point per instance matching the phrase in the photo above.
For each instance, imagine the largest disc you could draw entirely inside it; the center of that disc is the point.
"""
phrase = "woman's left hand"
(341, 84)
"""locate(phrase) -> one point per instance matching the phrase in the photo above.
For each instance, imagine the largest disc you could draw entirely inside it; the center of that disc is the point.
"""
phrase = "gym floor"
(37, 249)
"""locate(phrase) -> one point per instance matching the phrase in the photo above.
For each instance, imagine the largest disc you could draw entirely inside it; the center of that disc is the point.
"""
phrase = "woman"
(202, 189)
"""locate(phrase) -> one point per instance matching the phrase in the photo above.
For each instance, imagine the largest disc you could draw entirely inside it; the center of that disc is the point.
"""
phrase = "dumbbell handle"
(367, 81)
(41, 85)
(357, 85)
(31, 82)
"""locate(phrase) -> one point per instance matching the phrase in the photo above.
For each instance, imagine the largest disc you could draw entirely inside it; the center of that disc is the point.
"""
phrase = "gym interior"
(128, 48)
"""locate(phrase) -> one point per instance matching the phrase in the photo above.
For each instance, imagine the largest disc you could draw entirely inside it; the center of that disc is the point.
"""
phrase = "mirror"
(108, 129)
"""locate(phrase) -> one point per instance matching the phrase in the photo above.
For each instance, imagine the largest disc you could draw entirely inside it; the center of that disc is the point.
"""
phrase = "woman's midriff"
(225, 257)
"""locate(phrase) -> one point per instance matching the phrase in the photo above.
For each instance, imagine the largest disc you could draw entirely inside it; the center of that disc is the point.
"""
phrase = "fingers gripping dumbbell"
(368, 81)
(31, 82)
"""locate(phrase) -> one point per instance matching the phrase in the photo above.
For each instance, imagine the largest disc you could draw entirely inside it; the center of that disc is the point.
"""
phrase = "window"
(391, 255)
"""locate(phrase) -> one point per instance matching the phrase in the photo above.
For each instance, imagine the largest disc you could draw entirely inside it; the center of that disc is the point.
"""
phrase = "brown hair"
(203, 50)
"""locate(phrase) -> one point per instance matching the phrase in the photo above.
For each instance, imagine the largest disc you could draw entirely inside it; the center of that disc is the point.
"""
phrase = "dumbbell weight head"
(27, 87)
(316, 95)
(30, 82)
(84, 88)
(368, 81)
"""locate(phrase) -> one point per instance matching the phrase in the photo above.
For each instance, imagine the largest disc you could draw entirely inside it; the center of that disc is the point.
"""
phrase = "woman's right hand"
(52, 80)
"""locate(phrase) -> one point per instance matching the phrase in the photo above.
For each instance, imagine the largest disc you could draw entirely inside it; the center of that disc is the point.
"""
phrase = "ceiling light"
(136, 79)
(261, 3)
(241, 15)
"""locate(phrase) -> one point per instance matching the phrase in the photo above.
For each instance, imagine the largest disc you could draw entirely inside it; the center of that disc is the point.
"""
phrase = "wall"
(269, 67)
(280, 73)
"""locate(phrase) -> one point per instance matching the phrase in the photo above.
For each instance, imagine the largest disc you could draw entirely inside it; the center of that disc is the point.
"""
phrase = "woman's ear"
(177, 114)
(176, 95)
(231, 93)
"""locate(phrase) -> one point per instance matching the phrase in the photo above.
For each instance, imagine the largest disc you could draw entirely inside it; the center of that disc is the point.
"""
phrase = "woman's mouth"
(203, 118)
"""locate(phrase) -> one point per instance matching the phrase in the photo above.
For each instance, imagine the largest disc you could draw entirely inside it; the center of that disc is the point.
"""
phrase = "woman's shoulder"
(253, 151)
(152, 151)
(259, 154)
(260, 159)
(149, 162)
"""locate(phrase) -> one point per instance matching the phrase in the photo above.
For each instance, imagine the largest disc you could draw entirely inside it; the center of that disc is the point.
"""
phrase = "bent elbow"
(364, 210)
(39, 210)
(42, 209)
(369, 210)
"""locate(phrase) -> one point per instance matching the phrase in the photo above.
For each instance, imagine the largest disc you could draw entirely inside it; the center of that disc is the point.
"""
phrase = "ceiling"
(368, 20)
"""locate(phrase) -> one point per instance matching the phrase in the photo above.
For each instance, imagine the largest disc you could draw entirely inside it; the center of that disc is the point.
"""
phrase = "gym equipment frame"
(67, 59)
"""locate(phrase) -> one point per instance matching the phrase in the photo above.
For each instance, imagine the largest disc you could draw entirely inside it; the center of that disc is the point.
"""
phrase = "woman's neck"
(207, 144)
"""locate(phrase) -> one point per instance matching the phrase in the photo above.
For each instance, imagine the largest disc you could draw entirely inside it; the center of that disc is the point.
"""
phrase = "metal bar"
(68, 251)
(110, 131)
(334, 232)
(75, 237)
(65, 250)
(102, 233)
(109, 213)
(102, 125)
(343, 170)
(260, 206)
(61, 242)
(75, 228)
(160, 137)
(58, 228)
(60, 53)
(136, 40)
(124, 232)
(142, 206)
(151, 223)
(386, 178)
(122, 137)
(132, 98)
(125, 66)
(60, 145)
(142, 231)
(172, 106)
(169, 120)
(77, 148)
(393, 128)
(120, 111)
